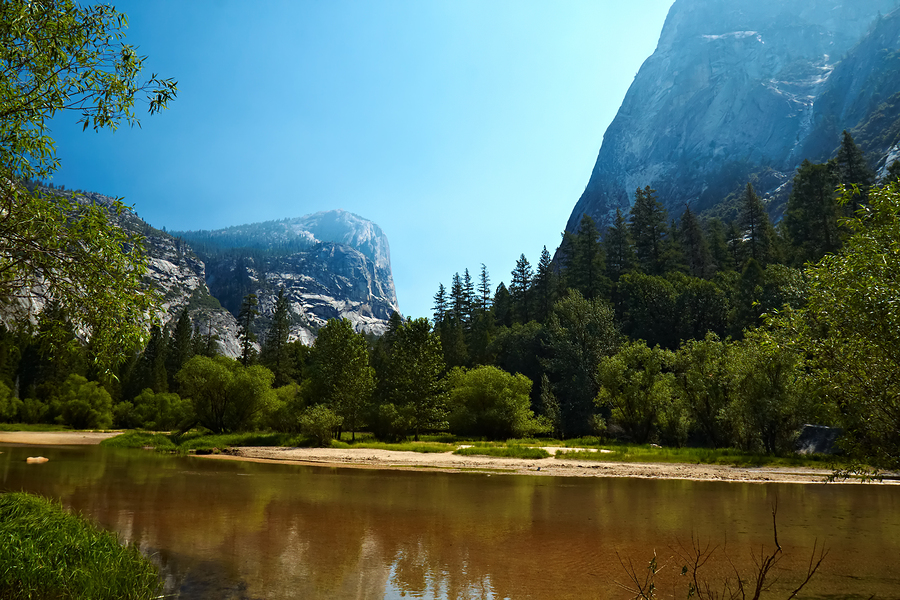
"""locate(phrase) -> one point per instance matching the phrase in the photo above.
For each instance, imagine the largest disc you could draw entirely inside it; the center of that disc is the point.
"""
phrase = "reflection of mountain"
(225, 529)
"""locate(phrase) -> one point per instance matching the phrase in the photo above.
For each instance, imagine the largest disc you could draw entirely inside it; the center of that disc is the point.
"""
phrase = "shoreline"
(447, 462)
(363, 458)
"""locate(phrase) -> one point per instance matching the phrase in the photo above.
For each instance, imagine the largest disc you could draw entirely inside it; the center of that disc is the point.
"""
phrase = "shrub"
(489, 402)
(319, 423)
(84, 404)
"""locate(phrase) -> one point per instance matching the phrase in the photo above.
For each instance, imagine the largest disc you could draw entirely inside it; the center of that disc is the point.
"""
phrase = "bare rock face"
(331, 264)
(739, 90)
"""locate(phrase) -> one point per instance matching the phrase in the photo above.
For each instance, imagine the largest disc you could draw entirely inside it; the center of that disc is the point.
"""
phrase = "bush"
(84, 404)
(160, 412)
(390, 424)
(319, 423)
(282, 413)
(49, 553)
(489, 402)
(225, 395)
(10, 406)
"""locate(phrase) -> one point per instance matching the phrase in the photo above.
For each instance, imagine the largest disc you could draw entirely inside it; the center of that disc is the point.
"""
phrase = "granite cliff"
(331, 264)
(745, 90)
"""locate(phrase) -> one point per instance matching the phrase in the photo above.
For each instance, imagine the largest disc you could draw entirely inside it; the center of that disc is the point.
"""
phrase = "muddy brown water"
(229, 529)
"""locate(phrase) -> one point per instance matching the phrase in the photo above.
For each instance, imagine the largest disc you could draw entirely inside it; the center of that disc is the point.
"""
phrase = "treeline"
(651, 332)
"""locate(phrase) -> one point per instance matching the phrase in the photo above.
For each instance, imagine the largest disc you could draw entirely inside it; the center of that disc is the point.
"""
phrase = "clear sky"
(466, 129)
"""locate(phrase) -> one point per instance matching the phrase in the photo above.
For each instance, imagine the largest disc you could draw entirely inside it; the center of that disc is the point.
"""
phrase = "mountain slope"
(739, 90)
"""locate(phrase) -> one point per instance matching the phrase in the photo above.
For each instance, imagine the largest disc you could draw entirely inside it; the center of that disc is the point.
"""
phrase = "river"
(241, 530)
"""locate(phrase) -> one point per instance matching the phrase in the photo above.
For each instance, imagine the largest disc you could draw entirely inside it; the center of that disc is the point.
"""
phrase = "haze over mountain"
(745, 90)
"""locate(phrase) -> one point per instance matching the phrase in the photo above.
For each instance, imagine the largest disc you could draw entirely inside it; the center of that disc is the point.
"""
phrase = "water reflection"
(228, 529)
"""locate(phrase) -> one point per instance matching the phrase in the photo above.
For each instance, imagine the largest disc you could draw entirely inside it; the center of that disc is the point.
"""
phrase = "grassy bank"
(48, 553)
(589, 448)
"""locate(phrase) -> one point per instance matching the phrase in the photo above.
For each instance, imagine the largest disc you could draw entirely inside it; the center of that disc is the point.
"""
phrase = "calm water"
(225, 529)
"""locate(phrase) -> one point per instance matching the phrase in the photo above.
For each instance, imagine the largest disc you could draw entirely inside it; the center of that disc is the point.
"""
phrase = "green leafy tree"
(318, 422)
(160, 411)
(772, 396)
(489, 402)
(84, 404)
(225, 395)
(849, 330)
(341, 376)
(57, 57)
(581, 333)
(702, 380)
(638, 392)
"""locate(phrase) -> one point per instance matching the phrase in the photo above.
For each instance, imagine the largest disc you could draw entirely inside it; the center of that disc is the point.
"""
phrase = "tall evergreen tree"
(718, 246)
(519, 289)
(502, 308)
(811, 218)
(274, 353)
(180, 347)
(458, 300)
(648, 230)
(484, 290)
(469, 295)
(440, 304)
(585, 262)
(617, 243)
(245, 319)
(695, 247)
(544, 286)
(757, 227)
(852, 169)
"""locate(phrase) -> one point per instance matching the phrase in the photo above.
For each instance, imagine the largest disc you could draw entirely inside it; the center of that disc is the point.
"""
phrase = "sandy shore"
(55, 438)
(363, 458)
(557, 467)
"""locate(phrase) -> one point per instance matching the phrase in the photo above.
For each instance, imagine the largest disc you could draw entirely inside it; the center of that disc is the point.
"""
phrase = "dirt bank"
(55, 438)
(448, 462)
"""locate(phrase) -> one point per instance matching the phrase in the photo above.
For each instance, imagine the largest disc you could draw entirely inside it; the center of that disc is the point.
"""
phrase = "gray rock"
(741, 89)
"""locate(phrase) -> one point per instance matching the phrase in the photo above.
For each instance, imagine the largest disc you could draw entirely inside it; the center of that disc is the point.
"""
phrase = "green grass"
(709, 456)
(48, 553)
(32, 427)
(513, 451)
(424, 447)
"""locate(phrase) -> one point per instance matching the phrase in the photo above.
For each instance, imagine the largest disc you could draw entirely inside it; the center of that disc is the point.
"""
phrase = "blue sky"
(466, 129)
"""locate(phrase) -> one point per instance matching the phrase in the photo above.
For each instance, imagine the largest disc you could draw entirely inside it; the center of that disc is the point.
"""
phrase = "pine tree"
(245, 319)
(812, 213)
(502, 307)
(440, 305)
(718, 246)
(853, 170)
(648, 230)
(469, 294)
(180, 346)
(696, 250)
(757, 227)
(274, 353)
(484, 290)
(519, 289)
(544, 286)
(620, 257)
(457, 299)
(585, 263)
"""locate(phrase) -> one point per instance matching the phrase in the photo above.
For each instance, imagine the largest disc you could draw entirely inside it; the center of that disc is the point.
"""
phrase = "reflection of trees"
(242, 528)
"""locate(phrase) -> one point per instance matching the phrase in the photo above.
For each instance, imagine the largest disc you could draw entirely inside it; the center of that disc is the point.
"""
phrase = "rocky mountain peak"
(732, 93)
